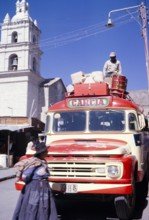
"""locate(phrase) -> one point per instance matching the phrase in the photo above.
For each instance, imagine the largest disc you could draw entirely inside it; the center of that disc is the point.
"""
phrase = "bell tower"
(20, 57)
(20, 36)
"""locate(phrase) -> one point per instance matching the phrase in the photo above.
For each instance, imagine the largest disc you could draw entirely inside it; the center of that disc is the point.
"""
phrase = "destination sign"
(87, 102)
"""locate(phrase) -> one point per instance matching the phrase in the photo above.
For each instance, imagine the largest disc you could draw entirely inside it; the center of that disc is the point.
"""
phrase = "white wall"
(13, 98)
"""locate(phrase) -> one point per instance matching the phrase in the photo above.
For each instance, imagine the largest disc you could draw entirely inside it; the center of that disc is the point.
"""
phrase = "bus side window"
(132, 122)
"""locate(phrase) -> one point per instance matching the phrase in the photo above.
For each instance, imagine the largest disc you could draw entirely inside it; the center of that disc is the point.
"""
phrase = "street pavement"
(7, 173)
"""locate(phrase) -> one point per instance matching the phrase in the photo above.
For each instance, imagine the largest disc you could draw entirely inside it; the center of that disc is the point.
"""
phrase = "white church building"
(24, 94)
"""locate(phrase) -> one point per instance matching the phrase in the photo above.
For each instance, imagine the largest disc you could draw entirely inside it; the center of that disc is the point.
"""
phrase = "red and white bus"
(99, 145)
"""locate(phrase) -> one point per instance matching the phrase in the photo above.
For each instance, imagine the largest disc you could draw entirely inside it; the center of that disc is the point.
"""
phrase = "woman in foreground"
(36, 201)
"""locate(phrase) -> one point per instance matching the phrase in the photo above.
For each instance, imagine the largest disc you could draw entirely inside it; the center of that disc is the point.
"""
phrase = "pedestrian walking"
(36, 201)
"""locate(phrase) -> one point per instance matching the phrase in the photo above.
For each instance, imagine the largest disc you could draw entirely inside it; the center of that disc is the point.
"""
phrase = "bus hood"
(89, 147)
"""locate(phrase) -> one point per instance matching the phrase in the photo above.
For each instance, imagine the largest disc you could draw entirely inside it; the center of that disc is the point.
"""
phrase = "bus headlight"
(113, 171)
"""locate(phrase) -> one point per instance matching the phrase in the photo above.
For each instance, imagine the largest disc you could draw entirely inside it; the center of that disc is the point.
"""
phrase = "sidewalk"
(7, 173)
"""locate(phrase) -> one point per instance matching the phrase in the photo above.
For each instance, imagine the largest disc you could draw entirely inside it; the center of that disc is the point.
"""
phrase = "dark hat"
(40, 148)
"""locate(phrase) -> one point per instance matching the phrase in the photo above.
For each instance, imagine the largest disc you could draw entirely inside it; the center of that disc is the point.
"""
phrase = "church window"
(34, 39)
(34, 64)
(14, 37)
(13, 62)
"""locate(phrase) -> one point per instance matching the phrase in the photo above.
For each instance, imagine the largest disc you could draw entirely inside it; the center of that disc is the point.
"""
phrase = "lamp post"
(143, 15)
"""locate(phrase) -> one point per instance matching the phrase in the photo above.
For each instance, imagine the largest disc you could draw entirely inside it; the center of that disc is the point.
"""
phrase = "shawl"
(28, 163)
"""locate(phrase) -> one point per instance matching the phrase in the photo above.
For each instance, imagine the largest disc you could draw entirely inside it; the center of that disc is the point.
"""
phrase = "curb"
(7, 178)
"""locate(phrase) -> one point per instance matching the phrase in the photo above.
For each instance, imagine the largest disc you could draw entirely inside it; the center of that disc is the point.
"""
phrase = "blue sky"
(74, 37)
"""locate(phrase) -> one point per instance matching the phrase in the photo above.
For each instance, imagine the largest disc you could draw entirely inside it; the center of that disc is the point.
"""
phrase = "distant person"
(11, 158)
(11, 147)
(112, 66)
(30, 143)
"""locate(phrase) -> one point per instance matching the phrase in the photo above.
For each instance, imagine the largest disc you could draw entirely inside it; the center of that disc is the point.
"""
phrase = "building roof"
(19, 123)
(14, 127)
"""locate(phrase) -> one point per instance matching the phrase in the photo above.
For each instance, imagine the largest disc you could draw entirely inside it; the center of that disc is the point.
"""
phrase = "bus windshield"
(94, 120)
(106, 120)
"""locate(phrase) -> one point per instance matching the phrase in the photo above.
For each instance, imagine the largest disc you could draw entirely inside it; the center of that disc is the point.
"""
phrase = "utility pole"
(144, 20)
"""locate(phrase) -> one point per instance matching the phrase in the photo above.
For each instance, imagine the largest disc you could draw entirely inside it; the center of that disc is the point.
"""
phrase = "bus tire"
(125, 205)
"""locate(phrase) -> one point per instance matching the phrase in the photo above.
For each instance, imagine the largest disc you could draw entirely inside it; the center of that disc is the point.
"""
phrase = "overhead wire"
(70, 39)
(134, 17)
(79, 34)
(82, 33)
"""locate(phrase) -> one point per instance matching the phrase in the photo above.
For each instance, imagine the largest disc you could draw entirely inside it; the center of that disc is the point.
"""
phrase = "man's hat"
(112, 54)
(40, 148)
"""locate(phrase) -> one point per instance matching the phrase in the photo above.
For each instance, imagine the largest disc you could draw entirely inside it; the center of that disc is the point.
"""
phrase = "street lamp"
(143, 14)
(109, 23)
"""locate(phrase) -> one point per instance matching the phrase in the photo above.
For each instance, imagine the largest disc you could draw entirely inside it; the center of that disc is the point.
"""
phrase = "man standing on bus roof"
(112, 66)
